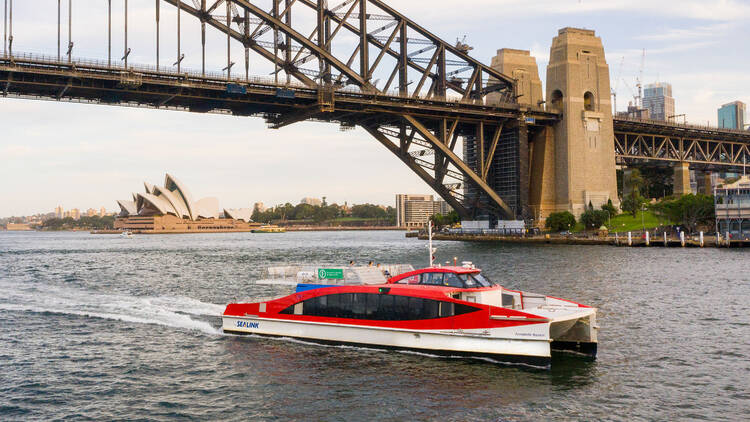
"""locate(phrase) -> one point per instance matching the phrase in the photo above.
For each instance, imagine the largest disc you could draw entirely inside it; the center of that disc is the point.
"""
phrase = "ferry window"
(401, 307)
(460, 309)
(482, 280)
(452, 280)
(435, 279)
(446, 309)
(378, 307)
(372, 306)
(409, 280)
(315, 306)
(416, 308)
(468, 281)
(359, 305)
(333, 306)
(288, 311)
(430, 309)
(386, 309)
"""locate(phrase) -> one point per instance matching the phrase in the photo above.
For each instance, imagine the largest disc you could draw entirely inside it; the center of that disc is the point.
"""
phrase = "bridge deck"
(91, 81)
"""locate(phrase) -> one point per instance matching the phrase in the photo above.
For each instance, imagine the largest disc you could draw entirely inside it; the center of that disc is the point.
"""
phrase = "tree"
(690, 210)
(593, 219)
(326, 213)
(303, 212)
(368, 211)
(440, 220)
(636, 181)
(559, 221)
(610, 208)
(633, 203)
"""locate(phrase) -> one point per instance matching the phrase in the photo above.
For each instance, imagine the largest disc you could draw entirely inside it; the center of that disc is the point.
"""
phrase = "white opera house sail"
(171, 209)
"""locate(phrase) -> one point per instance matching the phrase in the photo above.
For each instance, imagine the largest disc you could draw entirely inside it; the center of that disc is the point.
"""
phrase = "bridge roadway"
(89, 81)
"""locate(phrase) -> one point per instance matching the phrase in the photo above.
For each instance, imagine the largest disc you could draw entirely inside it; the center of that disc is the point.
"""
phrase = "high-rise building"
(59, 213)
(102, 212)
(657, 98)
(259, 206)
(75, 213)
(90, 212)
(732, 115)
(414, 211)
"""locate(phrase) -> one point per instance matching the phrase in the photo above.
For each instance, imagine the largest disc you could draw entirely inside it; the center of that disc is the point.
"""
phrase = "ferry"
(438, 310)
(269, 229)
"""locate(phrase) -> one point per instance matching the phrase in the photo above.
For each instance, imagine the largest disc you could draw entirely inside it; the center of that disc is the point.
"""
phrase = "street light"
(643, 221)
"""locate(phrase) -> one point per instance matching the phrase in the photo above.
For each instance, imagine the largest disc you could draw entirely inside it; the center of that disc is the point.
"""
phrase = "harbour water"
(104, 328)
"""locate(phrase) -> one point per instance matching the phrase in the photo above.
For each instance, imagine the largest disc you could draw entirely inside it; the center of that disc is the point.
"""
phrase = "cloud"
(681, 34)
(716, 10)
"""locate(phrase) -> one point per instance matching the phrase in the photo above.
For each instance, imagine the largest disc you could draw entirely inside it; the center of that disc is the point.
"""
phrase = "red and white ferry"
(452, 311)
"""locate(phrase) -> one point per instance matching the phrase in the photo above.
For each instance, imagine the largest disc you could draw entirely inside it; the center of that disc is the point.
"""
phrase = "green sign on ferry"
(330, 274)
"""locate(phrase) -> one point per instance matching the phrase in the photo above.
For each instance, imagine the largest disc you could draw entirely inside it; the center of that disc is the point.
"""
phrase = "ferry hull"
(533, 350)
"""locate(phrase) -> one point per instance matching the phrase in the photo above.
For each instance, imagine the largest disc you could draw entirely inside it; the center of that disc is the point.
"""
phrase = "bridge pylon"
(578, 87)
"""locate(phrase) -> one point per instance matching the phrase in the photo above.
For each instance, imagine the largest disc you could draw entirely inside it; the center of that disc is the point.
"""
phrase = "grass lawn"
(626, 222)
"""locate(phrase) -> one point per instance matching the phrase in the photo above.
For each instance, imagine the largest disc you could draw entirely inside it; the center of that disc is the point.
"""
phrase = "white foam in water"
(170, 311)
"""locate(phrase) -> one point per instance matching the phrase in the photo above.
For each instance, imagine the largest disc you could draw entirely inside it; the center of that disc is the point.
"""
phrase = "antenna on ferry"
(430, 249)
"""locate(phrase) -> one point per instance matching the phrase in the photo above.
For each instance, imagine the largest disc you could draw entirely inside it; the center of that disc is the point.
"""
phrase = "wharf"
(620, 241)
(341, 228)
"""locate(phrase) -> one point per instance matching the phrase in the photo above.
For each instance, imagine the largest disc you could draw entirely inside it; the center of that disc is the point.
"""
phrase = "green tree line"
(88, 223)
(325, 213)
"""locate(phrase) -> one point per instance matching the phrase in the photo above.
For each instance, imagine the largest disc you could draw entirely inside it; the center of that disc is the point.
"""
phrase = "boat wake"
(171, 311)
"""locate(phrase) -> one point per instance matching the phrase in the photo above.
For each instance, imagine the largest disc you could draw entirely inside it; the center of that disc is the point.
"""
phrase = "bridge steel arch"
(433, 95)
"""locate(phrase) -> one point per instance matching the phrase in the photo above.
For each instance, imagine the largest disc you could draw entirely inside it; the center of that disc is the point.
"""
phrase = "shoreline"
(288, 229)
(708, 241)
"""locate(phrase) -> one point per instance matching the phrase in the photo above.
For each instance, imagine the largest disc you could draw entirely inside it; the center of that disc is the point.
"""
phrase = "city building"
(171, 209)
(91, 212)
(635, 112)
(59, 212)
(657, 98)
(732, 115)
(102, 212)
(315, 202)
(414, 211)
(732, 202)
(75, 214)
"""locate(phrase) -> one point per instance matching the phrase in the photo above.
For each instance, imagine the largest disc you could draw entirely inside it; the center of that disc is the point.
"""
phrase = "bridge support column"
(542, 174)
(682, 179)
(578, 87)
(706, 187)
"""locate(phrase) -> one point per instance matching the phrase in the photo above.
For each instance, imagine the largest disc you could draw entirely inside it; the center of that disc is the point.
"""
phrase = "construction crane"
(617, 85)
(639, 81)
(463, 46)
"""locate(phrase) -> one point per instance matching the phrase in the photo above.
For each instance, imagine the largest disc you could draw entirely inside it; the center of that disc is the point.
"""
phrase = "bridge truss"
(702, 147)
(359, 63)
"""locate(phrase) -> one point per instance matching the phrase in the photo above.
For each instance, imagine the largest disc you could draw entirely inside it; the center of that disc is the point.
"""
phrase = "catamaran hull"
(533, 349)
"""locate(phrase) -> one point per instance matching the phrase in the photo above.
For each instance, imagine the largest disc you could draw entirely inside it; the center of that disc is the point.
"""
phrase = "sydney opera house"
(171, 209)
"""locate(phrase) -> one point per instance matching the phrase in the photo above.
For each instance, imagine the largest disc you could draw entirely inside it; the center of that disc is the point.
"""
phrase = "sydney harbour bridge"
(467, 129)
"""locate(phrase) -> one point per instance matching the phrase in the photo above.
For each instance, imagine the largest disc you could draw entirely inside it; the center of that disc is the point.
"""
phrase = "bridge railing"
(216, 77)
(674, 125)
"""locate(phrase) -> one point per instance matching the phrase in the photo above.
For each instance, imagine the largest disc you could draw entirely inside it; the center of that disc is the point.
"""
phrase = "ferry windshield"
(476, 280)
(461, 281)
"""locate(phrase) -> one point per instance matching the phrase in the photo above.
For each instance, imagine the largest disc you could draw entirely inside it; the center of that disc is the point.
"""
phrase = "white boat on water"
(127, 235)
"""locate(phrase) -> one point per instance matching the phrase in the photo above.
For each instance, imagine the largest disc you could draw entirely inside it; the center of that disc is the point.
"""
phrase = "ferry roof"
(456, 270)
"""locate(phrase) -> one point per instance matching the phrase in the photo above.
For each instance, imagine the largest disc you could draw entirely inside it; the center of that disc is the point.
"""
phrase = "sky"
(88, 156)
